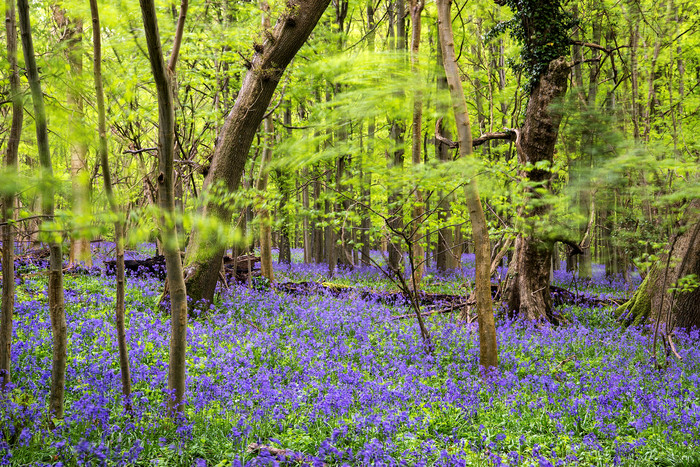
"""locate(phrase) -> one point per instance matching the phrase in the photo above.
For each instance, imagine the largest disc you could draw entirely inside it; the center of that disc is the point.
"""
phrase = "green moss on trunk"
(637, 309)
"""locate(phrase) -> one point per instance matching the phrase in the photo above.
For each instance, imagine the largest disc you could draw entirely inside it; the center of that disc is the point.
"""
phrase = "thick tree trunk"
(527, 282)
(652, 300)
(8, 200)
(119, 311)
(488, 355)
(166, 199)
(266, 67)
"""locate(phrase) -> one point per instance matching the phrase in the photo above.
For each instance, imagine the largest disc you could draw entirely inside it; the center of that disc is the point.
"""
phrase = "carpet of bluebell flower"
(336, 381)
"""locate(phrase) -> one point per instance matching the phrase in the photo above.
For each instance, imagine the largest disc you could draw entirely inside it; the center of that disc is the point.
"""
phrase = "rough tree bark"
(488, 356)
(652, 300)
(527, 282)
(162, 76)
(55, 292)
(266, 67)
(8, 200)
(103, 154)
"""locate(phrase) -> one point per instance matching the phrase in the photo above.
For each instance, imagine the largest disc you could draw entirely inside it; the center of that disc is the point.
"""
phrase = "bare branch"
(139, 151)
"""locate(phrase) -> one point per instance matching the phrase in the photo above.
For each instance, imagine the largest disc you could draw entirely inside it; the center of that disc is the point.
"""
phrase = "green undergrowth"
(337, 381)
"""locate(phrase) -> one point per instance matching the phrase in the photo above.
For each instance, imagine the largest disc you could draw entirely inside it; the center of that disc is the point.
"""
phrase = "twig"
(277, 452)
(138, 151)
(450, 309)
(673, 347)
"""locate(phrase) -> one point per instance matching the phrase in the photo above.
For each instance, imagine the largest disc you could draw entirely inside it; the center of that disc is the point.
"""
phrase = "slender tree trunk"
(341, 206)
(285, 188)
(263, 212)
(318, 243)
(119, 311)
(588, 141)
(488, 356)
(166, 198)
(80, 251)
(55, 292)
(365, 222)
(634, 72)
(308, 252)
(329, 232)
(443, 257)
(231, 153)
(418, 240)
(8, 200)
(262, 209)
(396, 156)
(366, 176)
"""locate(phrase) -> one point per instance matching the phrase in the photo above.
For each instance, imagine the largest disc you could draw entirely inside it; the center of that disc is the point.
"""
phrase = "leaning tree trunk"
(265, 70)
(8, 200)
(659, 297)
(527, 282)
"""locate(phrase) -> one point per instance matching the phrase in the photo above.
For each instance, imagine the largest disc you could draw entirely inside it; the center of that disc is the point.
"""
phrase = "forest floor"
(283, 379)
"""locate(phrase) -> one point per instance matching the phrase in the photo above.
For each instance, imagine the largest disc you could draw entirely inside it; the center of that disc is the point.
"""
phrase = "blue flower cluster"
(276, 379)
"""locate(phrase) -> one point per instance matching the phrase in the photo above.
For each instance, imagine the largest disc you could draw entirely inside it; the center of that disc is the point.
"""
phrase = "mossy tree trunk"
(660, 296)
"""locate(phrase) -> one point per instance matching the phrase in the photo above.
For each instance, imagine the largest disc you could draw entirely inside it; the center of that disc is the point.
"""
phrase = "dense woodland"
(499, 162)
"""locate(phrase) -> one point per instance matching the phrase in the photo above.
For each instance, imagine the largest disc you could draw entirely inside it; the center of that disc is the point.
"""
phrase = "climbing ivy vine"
(542, 28)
